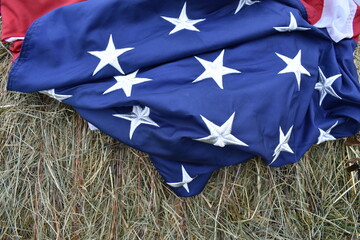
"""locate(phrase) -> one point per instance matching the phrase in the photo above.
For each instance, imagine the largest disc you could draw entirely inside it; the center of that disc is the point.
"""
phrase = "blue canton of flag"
(198, 85)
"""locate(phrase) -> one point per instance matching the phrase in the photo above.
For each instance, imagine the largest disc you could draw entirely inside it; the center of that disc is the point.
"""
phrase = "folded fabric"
(200, 85)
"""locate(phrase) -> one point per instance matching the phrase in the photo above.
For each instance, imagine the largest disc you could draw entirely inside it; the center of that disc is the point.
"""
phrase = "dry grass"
(58, 180)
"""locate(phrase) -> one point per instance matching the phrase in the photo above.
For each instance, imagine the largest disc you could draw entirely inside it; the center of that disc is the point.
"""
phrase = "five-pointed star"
(138, 116)
(215, 70)
(186, 179)
(283, 144)
(242, 3)
(294, 66)
(51, 93)
(324, 86)
(126, 82)
(183, 22)
(325, 135)
(293, 26)
(109, 56)
(221, 136)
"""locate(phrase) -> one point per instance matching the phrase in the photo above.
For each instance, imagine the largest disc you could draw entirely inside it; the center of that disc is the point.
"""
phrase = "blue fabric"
(55, 55)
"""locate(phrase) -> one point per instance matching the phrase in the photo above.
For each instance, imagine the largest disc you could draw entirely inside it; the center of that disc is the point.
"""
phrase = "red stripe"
(18, 15)
(15, 49)
(314, 9)
(356, 24)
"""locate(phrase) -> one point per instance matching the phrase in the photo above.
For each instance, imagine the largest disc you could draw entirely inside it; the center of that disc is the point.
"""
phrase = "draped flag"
(197, 84)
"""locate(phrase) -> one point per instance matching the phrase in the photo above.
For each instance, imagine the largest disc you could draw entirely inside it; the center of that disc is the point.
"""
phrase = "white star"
(126, 82)
(242, 3)
(184, 182)
(324, 86)
(325, 135)
(283, 144)
(92, 127)
(221, 136)
(183, 22)
(292, 26)
(215, 70)
(138, 116)
(294, 66)
(51, 93)
(109, 56)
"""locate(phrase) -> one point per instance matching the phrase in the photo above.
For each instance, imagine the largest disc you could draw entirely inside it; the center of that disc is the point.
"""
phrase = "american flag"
(200, 85)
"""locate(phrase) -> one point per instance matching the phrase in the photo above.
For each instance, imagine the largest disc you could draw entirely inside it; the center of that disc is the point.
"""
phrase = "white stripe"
(13, 39)
(337, 17)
